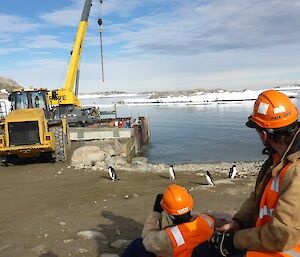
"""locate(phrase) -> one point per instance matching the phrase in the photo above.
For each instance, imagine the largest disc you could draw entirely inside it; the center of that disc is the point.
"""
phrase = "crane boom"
(75, 57)
(66, 95)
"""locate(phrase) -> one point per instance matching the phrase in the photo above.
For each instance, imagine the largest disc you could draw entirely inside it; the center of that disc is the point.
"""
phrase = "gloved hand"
(223, 242)
(157, 207)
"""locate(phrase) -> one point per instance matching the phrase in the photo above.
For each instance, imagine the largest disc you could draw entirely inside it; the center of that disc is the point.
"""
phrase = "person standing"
(268, 223)
(177, 240)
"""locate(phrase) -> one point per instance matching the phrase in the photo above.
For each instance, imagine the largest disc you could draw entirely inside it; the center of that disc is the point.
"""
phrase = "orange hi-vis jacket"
(268, 203)
(185, 237)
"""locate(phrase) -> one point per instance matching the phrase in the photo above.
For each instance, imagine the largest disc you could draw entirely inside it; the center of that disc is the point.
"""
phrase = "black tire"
(60, 154)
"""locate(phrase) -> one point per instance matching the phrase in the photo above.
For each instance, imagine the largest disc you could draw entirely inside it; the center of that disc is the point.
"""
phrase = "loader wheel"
(60, 154)
(3, 161)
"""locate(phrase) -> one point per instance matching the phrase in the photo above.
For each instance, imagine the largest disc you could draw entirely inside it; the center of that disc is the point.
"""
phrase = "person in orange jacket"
(177, 240)
(268, 223)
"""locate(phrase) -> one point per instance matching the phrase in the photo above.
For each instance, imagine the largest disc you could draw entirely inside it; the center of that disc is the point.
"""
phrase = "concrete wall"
(130, 140)
(78, 134)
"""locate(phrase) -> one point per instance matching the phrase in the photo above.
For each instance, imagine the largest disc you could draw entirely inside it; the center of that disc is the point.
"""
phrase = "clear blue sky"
(154, 44)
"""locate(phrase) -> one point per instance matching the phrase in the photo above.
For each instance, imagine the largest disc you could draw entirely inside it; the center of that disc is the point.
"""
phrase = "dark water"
(202, 133)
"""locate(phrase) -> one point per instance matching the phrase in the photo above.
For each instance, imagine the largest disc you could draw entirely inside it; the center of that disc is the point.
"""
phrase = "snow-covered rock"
(115, 161)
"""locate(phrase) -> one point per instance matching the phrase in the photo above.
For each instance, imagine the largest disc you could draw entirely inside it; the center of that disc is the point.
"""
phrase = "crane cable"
(101, 48)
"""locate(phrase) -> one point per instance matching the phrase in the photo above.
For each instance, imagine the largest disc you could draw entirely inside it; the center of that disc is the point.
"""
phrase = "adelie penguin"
(233, 172)
(112, 173)
(209, 179)
(171, 172)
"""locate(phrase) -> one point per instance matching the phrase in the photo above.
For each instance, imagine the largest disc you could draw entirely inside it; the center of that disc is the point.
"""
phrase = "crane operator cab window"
(38, 100)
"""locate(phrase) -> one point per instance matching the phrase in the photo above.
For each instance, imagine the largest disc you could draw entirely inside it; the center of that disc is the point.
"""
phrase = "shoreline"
(109, 153)
(141, 164)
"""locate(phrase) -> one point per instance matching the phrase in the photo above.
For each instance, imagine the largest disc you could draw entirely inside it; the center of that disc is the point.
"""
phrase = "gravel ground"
(45, 205)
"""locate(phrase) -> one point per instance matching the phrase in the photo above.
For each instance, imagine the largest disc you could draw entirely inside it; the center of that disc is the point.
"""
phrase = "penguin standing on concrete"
(209, 179)
(233, 172)
(171, 172)
(112, 173)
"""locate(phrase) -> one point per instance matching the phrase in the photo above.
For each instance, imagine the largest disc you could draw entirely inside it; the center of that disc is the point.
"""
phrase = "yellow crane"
(38, 121)
(66, 99)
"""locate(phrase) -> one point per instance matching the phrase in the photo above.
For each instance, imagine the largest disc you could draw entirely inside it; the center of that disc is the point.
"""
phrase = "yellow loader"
(31, 129)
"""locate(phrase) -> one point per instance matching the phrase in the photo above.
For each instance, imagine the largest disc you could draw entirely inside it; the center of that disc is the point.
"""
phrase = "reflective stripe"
(275, 183)
(177, 235)
(265, 211)
(210, 223)
(292, 253)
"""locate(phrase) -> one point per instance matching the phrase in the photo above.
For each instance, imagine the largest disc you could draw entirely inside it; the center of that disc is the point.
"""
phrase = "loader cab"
(28, 99)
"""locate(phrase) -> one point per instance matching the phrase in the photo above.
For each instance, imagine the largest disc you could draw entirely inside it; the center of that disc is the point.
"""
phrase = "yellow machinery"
(65, 99)
(38, 121)
(31, 130)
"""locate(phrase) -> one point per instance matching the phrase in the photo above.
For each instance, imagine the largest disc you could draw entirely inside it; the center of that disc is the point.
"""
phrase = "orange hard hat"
(272, 110)
(176, 200)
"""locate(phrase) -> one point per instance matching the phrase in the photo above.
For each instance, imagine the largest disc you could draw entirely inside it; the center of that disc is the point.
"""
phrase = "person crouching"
(178, 239)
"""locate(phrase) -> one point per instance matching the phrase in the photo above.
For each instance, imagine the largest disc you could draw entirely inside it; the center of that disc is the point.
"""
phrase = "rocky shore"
(99, 155)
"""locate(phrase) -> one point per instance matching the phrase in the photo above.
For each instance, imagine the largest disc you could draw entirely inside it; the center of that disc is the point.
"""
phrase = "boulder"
(120, 161)
(108, 149)
(115, 161)
(100, 166)
(117, 147)
(110, 161)
(139, 160)
(87, 156)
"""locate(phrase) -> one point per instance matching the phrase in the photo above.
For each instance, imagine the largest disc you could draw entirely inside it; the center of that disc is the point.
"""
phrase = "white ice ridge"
(203, 98)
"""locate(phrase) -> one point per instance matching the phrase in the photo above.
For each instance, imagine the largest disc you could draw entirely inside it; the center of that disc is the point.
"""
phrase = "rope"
(63, 75)
(101, 45)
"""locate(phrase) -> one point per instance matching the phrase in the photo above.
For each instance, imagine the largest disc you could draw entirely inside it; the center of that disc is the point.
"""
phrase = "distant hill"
(8, 84)
(177, 93)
